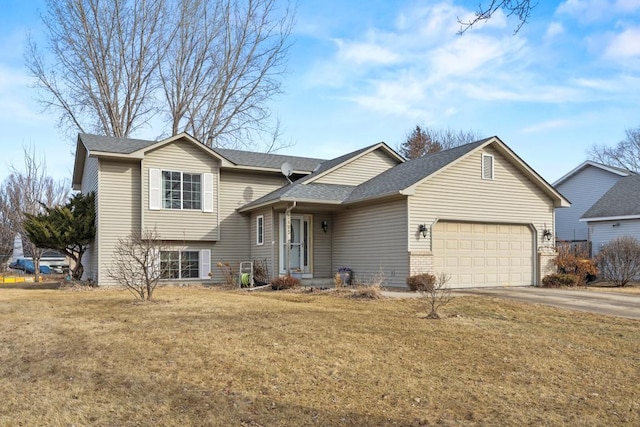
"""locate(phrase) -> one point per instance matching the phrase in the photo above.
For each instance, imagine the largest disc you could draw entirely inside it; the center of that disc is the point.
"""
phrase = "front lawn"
(199, 356)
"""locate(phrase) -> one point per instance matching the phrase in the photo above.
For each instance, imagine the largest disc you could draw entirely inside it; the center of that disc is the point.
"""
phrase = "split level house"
(477, 213)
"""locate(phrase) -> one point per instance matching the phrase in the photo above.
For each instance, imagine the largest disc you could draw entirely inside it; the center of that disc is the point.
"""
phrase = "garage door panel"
(477, 254)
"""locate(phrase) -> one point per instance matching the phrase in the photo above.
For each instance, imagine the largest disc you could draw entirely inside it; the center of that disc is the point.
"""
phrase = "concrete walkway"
(608, 303)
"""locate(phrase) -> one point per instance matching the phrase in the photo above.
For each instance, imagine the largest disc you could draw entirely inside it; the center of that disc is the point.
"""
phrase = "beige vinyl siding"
(322, 247)
(266, 250)
(90, 183)
(119, 199)
(460, 194)
(178, 224)
(372, 240)
(237, 189)
(361, 169)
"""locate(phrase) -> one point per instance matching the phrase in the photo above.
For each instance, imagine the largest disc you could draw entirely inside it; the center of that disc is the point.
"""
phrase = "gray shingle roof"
(409, 173)
(112, 144)
(316, 192)
(621, 200)
(390, 182)
(268, 160)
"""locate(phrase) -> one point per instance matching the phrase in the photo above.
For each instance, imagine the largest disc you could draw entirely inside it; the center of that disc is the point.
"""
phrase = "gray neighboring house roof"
(622, 200)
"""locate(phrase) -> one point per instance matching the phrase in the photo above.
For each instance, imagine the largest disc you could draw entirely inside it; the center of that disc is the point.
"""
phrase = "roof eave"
(589, 163)
(381, 196)
(610, 218)
(78, 165)
(263, 169)
(249, 207)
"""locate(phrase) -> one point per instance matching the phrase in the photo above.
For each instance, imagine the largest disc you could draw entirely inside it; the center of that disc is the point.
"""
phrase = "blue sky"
(370, 70)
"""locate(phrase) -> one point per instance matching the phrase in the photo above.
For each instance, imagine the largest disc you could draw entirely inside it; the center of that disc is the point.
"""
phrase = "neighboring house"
(615, 214)
(583, 186)
(49, 257)
(475, 212)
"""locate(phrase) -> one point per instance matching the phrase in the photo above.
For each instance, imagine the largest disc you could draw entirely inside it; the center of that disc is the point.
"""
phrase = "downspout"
(287, 233)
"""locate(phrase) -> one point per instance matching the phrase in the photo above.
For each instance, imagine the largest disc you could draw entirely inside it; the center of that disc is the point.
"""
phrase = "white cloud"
(554, 29)
(624, 45)
(548, 125)
(365, 53)
(597, 10)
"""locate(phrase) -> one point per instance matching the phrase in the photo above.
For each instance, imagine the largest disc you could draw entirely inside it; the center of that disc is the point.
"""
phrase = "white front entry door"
(300, 238)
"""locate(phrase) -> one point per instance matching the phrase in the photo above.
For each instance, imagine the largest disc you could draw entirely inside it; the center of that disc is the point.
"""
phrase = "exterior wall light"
(423, 229)
(325, 225)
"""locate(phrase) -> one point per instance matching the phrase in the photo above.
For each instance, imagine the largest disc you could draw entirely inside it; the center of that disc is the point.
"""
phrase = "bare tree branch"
(102, 78)
(520, 8)
(209, 66)
(626, 154)
(423, 141)
(25, 191)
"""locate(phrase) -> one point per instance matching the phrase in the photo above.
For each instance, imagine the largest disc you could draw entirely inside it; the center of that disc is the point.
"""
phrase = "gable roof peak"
(591, 163)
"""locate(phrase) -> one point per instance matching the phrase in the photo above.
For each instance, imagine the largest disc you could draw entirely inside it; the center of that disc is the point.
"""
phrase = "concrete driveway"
(609, 303)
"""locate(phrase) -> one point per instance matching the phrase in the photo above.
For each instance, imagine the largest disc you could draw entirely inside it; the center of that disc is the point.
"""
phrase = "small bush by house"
(421, 282)
(284, 282)
(559, 280)
(577, 263)
(619, 261)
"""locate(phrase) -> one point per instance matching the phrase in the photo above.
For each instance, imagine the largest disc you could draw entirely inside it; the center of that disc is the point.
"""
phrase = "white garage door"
(477, 255)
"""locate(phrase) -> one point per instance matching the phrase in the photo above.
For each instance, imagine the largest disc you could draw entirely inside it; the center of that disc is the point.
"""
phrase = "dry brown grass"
(631, 288)
(206, 357)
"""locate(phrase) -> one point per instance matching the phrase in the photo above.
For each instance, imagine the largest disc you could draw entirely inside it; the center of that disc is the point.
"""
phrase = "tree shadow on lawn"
(31, 285)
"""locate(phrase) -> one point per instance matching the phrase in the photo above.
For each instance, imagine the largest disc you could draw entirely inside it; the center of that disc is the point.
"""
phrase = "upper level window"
(181, 190)
(487, 166)
(260, 230)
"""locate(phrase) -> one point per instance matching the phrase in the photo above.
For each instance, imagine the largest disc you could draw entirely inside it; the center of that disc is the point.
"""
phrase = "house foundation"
(420, 262)
(545, 263)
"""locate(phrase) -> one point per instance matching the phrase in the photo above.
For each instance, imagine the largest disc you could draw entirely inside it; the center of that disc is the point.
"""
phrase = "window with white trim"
(487, 166)
(181, 190)
(180, 264)
(260, 230)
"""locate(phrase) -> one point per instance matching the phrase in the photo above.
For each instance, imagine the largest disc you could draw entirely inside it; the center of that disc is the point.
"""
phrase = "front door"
(299, 248)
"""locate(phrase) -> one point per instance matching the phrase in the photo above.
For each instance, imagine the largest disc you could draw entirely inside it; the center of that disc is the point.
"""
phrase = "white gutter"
(610, 218)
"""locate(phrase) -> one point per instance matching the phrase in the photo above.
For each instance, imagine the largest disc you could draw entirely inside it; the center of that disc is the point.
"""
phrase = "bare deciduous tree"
(626, 154)
(223, 63)
(210, 66)
(437, 295)
(105, 56)
(520, 8)
(25, 191)
(423, 141)
(136, 263)
(619, 261)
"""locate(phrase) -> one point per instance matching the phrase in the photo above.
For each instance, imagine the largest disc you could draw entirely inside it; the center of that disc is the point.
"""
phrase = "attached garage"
(484, 254)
